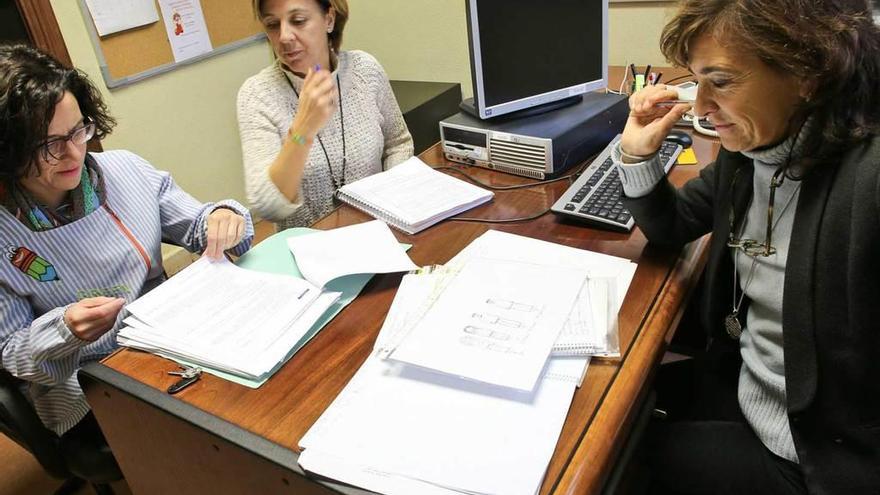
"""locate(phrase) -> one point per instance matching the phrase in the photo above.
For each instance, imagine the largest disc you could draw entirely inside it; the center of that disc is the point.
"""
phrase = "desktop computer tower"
(539, 146)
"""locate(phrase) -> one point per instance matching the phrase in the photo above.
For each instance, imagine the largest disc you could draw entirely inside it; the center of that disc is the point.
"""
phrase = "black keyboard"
(595, 195)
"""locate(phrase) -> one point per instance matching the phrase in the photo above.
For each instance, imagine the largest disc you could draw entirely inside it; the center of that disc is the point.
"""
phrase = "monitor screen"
(526, 53)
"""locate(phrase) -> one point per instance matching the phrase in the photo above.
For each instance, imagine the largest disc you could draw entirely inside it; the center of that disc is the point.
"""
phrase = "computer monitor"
(527, 54)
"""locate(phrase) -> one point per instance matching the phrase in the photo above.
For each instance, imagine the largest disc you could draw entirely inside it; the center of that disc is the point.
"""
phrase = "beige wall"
(184, 121)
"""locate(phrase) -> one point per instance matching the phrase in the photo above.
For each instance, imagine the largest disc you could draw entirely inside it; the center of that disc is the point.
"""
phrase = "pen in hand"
(672, 103)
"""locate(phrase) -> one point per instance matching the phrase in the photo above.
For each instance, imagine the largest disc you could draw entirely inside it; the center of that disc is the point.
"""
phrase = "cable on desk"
(500, 220)
(571, 177)
(507, 188)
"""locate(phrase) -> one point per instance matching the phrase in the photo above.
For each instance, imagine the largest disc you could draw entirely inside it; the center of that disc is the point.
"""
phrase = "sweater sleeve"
(183, 218)
(41, 350)
(638, 179)
(398, 141)
(674, 217)
(261, 140)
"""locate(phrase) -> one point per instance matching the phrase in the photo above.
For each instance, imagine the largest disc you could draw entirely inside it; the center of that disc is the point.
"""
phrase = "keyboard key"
(571, 207)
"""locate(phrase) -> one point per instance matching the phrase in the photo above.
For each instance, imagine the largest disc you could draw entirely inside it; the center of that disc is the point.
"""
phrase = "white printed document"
(112, 16)
(216, 314)
(495, 322)
(363, 248)
(592, 325)
(430, 433)
(186, 28)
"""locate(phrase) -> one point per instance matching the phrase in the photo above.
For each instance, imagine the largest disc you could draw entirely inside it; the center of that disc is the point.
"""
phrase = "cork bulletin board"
(139, 53)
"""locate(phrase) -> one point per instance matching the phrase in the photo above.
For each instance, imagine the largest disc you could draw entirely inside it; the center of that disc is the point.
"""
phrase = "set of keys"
(188, 376)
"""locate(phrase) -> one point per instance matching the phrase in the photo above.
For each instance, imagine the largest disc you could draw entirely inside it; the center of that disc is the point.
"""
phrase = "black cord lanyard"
(341, 182)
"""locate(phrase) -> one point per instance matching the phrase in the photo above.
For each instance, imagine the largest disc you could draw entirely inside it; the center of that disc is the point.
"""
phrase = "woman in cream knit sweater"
(316, 119)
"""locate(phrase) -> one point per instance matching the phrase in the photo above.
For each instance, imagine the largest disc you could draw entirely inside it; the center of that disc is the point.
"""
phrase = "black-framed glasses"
(53, 149)
(751, 247)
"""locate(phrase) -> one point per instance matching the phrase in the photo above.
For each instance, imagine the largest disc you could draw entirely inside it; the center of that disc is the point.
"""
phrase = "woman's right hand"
(92, 317)
(317, 102)
(648, 125)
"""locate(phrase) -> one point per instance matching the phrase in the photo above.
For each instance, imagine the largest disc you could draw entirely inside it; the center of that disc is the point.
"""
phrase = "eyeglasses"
(751, 247)
(52, 150)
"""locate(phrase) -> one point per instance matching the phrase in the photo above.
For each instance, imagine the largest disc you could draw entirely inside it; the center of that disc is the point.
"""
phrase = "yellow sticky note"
(687, 157)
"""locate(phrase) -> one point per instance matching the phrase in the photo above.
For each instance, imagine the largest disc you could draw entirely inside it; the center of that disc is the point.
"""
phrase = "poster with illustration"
(186, 29)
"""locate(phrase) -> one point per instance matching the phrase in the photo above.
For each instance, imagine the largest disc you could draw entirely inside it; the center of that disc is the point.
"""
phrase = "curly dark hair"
(834, 44)
(31, 84)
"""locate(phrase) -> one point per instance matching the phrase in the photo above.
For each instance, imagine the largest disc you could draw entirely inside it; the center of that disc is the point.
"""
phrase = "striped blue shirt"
(115, 251)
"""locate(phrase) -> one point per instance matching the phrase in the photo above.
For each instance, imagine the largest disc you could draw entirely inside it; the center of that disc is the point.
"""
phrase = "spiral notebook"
(412, 196)
(591, 328)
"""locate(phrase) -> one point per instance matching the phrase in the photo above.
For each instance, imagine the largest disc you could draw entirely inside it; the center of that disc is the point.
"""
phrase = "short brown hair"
(339, 6)
(31, 85)
(832, 43)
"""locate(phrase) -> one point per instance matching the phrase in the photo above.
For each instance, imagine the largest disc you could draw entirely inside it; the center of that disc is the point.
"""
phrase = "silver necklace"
(731, 321)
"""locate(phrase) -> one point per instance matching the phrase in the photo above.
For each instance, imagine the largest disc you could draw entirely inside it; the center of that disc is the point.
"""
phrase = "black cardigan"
(831, 301)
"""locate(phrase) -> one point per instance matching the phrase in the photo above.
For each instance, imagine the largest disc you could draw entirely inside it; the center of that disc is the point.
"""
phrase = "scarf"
(84, 199)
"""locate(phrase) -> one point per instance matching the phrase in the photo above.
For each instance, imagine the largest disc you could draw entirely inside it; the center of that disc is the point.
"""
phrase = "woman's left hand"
(225, 228)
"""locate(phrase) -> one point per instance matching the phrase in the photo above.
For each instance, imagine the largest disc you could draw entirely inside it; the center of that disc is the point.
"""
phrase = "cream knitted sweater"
(376, 137)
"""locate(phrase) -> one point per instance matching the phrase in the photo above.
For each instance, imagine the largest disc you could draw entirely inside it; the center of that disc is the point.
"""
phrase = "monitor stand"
(468, 107)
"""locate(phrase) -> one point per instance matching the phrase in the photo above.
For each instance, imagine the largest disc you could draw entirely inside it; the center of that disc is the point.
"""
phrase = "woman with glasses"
(787, 395)
(317, 118)
(80, 232)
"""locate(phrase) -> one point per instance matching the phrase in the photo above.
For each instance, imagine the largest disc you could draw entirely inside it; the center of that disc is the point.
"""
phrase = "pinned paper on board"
(186, 28)
(113, 16)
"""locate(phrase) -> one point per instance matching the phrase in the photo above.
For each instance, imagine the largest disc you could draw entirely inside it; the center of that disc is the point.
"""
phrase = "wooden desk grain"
(281, 411)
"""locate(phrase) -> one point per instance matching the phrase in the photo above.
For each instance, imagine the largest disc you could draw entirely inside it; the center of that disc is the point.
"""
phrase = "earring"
(329, 30)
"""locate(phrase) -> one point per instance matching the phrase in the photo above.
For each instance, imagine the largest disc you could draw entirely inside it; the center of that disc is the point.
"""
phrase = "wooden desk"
(218, 437)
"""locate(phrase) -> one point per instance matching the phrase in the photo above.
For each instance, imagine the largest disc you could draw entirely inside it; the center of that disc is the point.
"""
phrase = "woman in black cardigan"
(789, 395)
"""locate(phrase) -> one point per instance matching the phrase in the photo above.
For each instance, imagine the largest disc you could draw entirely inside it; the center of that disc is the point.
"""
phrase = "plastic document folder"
(412, 196)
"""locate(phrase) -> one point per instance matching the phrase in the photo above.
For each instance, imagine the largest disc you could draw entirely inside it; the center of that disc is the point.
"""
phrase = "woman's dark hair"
(339, 6)
(31, 84)
(834, 44)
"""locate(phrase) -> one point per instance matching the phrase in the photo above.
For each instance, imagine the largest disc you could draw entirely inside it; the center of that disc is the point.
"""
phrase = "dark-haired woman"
(793, 279)
(81, 232)
(315, 119)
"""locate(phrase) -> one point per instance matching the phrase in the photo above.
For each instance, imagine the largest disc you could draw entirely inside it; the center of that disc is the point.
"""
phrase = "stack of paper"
(412, 196)
(397, 429)
(496, 322)
(245, 323)
(591, 328)
(450, 394)
(216, 314)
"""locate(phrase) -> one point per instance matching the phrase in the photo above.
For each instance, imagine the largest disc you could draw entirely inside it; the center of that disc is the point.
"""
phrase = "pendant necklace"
(731, 322)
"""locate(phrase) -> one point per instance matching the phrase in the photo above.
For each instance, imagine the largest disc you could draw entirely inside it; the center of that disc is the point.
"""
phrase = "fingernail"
(317, 67)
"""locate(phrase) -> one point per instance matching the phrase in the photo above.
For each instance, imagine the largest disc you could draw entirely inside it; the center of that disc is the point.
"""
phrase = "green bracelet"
(298, 138)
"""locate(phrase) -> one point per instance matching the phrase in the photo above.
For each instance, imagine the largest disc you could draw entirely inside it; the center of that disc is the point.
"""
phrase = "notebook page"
(415, 193)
